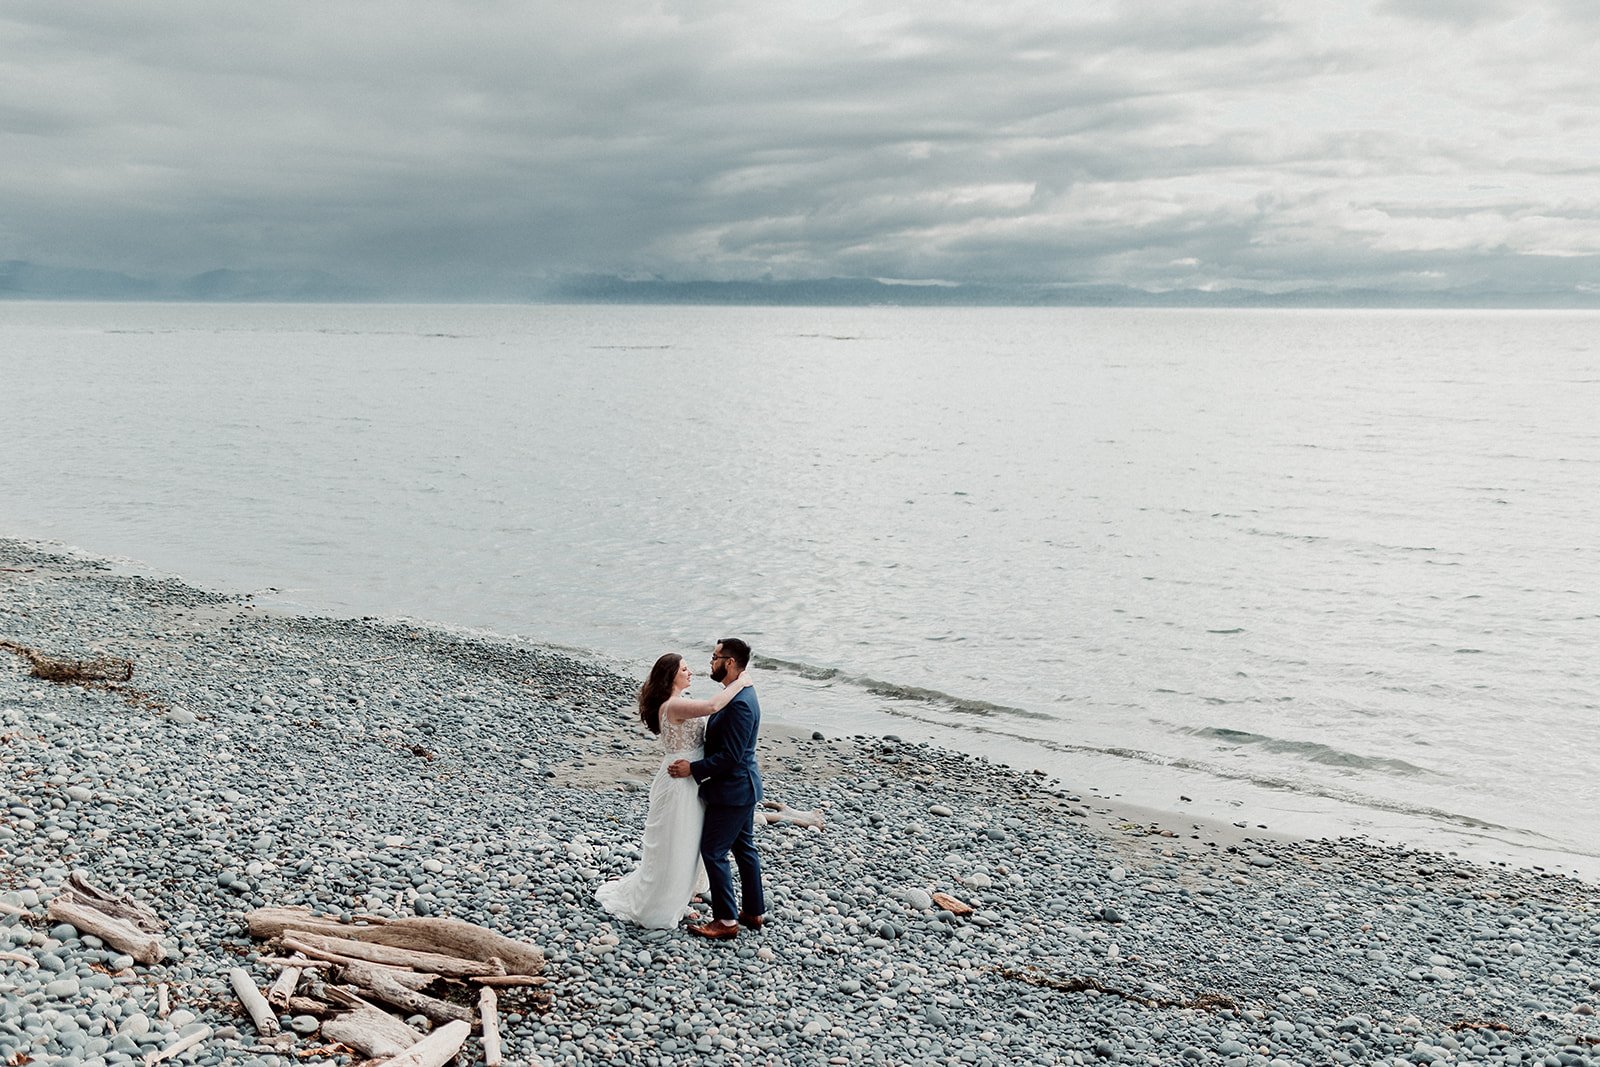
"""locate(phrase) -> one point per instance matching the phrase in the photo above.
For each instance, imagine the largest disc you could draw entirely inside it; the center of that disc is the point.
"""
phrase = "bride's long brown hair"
(657, 690)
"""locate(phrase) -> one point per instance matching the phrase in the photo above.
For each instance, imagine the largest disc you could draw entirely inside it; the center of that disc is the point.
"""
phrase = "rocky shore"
(367, 766)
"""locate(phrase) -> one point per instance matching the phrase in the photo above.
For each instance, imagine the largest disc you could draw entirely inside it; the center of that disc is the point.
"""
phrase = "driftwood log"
(489, 1014)
(283, 988)
(306, 1006)
(342, 950)
(297, 961)
(120, 934)
(177, 1048)
(772, 811)
(117, 906)
(413, 980)
(371, 1032)
(435, 1050)
(255, 1005)
(380, 984)
(447, 937)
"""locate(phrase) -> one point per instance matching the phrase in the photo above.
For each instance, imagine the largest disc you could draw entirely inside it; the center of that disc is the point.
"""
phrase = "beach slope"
(376, 766)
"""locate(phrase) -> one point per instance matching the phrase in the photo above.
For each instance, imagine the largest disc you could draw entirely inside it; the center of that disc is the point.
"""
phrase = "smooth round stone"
(919, 899)
(63, 988)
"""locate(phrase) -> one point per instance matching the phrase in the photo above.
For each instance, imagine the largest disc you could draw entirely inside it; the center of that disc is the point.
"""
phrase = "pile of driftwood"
(353, 975)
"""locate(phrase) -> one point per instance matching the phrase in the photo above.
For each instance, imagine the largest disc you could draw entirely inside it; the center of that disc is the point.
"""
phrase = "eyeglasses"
(719, 659)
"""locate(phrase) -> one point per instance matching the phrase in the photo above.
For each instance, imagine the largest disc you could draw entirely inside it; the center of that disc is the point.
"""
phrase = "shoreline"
(1212, 808)
(360, 765)
(1102, 809)
(1149, 788)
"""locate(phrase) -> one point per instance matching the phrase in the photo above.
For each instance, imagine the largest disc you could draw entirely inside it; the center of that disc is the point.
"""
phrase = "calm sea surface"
(1327, 571)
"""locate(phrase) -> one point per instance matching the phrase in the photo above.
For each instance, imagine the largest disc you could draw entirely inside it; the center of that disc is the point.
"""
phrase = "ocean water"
(1331, 571)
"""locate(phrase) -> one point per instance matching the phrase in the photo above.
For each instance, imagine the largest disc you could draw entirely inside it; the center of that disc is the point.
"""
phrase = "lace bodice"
(683, 736)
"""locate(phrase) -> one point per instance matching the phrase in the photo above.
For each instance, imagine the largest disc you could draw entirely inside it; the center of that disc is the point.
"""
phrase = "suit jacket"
(728, 774)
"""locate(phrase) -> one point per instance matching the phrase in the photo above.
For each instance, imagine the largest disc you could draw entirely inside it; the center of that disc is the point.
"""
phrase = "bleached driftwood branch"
(118, 906)
(255, 1005)
(448, 937)
(284, 986)
(489, 1014)
(435, 1050)
(380, 983)
(413, 980)
(777, 811)
(345, 949)
(371, 1032)
(307, 1006)
(177, 1048)
(297, 962)
(120, 934)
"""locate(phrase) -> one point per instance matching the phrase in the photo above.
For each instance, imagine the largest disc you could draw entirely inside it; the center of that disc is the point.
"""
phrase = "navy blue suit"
(730, 785)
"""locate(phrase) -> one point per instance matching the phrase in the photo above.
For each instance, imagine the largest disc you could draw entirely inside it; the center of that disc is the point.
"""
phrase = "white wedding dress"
(670, 872)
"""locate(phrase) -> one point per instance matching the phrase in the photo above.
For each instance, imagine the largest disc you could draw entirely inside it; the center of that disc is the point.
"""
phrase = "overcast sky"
(1395, 143)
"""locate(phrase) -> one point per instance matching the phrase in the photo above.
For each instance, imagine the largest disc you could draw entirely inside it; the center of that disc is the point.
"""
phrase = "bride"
(670, 871)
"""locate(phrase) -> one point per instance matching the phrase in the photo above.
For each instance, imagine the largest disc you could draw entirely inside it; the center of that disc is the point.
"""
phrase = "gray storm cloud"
(462, 146)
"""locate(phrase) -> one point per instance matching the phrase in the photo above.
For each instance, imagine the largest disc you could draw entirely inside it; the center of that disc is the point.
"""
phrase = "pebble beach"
(368, 766)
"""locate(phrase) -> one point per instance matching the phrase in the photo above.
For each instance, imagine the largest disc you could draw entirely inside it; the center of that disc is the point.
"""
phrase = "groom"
(730, 785)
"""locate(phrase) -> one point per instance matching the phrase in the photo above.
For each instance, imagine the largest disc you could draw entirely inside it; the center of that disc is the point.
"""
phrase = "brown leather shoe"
(754, 922)
(716, 929)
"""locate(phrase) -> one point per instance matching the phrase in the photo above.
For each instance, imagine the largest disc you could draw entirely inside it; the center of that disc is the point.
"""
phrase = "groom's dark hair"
(732, 646)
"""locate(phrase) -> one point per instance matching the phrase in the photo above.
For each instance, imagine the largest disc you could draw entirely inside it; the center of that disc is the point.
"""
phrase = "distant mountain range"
(868, 292)
(21, 280)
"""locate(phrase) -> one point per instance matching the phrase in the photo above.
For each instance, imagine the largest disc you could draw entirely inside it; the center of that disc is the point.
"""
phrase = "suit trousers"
(732, 829)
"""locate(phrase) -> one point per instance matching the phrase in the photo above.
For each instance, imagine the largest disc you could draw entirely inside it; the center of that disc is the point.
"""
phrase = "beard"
(719, 672)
